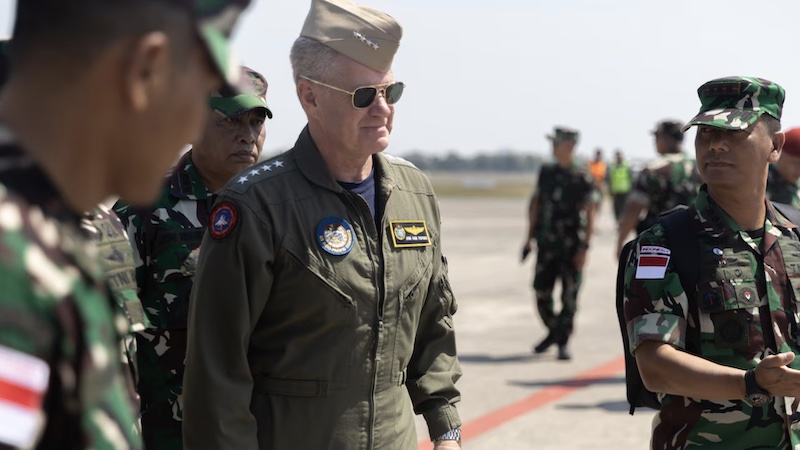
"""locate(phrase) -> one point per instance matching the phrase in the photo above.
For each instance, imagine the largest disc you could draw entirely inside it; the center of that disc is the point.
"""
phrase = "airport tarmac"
(511, 398)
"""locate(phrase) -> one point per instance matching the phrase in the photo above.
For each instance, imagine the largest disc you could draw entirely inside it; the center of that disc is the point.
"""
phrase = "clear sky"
(495, 74)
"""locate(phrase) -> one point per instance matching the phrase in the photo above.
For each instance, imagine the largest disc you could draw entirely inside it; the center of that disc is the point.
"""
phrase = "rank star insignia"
(254, 172)
(242, 180)
(266, 168)
(278, 163)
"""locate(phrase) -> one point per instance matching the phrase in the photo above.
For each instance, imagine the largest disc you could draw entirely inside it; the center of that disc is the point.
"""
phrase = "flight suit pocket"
(411, 301)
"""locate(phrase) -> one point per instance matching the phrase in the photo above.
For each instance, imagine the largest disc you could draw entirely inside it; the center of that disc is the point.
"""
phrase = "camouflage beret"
(561, 134)
(365, 35)
(792, 144)
(255, 97)
(735, 103)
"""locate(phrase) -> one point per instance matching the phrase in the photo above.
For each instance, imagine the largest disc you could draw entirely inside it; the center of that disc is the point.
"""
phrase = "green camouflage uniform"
(56, 312)
(166, 240)
(310, 327)
(561, 230)
(667, 182)
(116, 259)
(743, 313)
(781, 191)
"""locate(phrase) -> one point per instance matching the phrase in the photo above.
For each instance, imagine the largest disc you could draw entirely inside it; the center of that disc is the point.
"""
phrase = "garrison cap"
(561, 134)
(365, 35)
(792, 144)
(735, 103)
(254, 97)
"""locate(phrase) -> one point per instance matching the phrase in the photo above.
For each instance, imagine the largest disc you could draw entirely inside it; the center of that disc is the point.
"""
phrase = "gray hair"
(312, 59)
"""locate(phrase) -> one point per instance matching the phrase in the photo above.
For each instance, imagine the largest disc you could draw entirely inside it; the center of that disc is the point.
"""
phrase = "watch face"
(758, 399)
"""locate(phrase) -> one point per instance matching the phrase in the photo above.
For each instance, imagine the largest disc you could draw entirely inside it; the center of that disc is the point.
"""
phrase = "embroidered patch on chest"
(335, 235)
(409, 233)
(223, 220)
(652, 262)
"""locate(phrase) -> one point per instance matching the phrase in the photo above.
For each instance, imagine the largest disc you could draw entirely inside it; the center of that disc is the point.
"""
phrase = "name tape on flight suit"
(652, 262)
(409, 233)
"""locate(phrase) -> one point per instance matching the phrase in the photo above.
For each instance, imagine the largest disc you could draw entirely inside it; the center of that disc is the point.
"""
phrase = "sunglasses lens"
(394, 92)
(363, 97)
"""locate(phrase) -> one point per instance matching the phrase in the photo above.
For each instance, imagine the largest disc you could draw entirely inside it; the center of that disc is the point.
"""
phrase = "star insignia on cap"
(364, 39)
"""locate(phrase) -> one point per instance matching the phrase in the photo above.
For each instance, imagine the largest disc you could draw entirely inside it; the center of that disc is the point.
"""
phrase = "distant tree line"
(501, 161)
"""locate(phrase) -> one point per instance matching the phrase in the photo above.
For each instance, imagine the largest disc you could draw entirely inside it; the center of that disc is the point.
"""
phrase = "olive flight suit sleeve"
(434, 367)
(231, 288)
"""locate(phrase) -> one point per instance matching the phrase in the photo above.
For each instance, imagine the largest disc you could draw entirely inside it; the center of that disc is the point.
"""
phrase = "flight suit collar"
(185, 181)
(311, 164)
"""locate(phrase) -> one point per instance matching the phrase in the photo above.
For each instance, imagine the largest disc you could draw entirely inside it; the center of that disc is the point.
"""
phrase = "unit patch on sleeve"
(409, 233)
(223, 220)
(652, 262)
(23, 382)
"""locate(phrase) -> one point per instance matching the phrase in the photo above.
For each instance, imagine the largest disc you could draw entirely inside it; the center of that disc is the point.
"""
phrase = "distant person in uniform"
(665, 183)
(620, 182)
(321, 308)
(167, 238)
(782, 182)
(723, 353)
(561, 220)
(100, 98)
(599, 171)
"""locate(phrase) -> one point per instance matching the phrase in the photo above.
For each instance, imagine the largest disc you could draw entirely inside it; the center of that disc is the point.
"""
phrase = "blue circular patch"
(335, 235)
(223, 220)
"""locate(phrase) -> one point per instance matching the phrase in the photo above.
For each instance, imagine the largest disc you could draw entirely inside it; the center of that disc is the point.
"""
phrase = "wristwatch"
(754, 394)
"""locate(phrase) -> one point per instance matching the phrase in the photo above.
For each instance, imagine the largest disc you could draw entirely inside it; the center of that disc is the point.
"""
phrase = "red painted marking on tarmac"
(498, 417)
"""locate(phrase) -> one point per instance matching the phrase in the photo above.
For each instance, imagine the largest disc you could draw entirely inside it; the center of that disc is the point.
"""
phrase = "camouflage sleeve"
(131, 219)
(434, 368)
(642, 187)
(231, 288)
(656, 308)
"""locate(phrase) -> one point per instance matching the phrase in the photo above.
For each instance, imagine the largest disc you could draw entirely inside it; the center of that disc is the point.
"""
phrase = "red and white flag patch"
(652, 262)
(23, 383)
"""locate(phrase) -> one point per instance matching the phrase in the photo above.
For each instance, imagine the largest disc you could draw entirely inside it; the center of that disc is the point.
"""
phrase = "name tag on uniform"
(409, 233)
(652, 262)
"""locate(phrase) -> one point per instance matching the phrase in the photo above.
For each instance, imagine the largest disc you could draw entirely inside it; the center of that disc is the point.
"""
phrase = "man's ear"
(309, 99)
(147, 70)
(777, 146)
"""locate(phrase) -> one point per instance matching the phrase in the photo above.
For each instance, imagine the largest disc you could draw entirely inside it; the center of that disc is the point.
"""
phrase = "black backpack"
(682, 241)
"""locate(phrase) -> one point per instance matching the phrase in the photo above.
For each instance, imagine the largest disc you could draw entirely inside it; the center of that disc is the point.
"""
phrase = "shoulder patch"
(223, 220)
(23, 383)
(651, 262)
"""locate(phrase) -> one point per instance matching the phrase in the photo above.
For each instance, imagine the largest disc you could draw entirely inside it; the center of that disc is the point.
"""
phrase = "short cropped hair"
(312, 59)
(773, 125)
(78, 30)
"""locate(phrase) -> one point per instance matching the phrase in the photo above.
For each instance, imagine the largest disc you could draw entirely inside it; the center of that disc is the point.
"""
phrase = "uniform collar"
(185, 181)
(311, 164)
(715, 217)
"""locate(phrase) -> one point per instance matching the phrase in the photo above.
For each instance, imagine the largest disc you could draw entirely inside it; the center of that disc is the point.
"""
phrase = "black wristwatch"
(754, 394)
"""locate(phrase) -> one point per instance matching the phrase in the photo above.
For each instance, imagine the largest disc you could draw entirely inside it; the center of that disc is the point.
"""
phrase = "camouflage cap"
(365, 35)
(792, 144)
(561, 134)
(255, 97)
(735, 103)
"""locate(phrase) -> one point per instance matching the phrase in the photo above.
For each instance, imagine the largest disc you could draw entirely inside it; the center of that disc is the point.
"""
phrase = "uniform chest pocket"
(729, 317)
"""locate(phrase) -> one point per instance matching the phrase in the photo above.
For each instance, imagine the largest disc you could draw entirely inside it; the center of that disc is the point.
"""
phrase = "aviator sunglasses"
(364, 96)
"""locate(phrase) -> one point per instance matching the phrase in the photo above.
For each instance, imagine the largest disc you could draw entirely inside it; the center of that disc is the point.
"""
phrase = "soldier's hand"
(526, 250)
(446, 445)
(579, 260)
(773, 375)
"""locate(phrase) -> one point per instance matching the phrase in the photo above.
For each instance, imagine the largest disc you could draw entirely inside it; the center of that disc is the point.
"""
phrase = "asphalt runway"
(511, 398)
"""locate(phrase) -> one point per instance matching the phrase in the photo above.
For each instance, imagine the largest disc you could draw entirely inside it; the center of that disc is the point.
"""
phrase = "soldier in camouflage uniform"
(61, 384)
(561, 218)
(665, 183)
(723, 361)
(784, 175)
(167, 239)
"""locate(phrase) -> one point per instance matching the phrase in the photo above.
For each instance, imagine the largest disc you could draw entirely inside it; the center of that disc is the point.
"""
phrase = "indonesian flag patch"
(23, 383)
(652, 262)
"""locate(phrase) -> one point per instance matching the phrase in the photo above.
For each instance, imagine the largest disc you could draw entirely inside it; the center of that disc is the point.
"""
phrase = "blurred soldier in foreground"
(123, 84)
(167, 238)
(782, 182)
(321, 301)
(561, 220)
(721, 349)
(665, 183)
